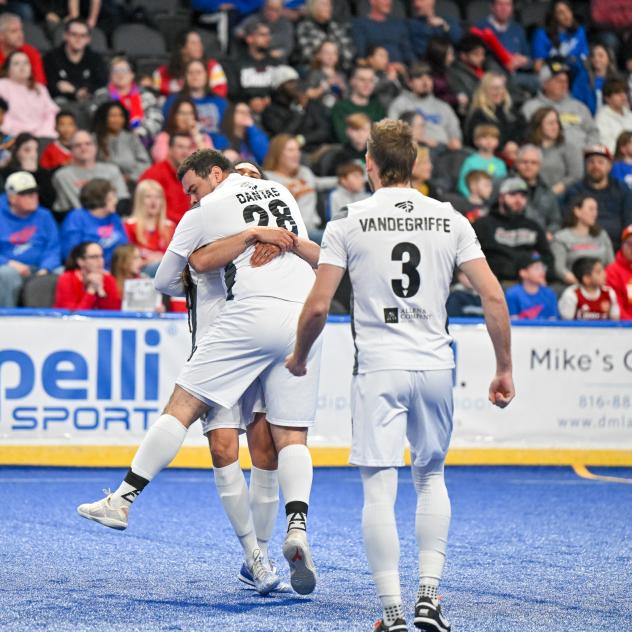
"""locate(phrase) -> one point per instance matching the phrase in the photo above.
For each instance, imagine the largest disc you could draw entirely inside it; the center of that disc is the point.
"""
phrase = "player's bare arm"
(501, 389)
(313, 316)
(223, 251)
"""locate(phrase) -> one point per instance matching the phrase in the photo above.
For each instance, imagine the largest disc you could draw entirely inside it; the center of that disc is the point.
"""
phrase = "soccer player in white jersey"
(401, 248)
(248, 340)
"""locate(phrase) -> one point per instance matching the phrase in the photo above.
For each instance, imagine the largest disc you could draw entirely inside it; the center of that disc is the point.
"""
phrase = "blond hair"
(138, 212)
(481, 100)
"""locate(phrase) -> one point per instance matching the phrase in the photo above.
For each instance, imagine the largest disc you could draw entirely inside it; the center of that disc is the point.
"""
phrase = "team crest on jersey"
(391, 314)
(407, 206)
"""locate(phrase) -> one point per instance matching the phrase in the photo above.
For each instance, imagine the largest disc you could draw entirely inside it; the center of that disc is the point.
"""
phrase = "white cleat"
(302, 570)
(265, 580)
(102, 512)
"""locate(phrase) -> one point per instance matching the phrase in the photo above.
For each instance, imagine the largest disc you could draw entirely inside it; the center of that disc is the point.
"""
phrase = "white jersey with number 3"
(400, 248)
(236, 204)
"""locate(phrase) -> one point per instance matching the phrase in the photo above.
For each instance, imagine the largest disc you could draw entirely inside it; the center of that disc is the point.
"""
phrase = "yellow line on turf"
(198, 457)
(583, 472)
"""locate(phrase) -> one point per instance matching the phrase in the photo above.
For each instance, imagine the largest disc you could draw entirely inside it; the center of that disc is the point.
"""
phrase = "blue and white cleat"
(261, 577)
(245, 576)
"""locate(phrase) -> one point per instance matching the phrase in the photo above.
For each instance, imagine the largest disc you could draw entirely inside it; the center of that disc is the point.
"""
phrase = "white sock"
(157, 449)
(233, 492)
(295, 479)
(381, 540)
(432, 522)
(264, 505)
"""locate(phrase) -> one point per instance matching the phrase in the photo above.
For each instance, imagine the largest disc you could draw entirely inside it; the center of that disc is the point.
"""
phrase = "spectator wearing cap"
(29, 240)
(73, 70)
(506, 233)
(619, 274)
(582, 237)
(84, 167)
(12, 39)
(465, 73)
(613, 197)
(96, 220)
(579, 127)
(427, 24)
(615, 116)
(378, 27)
(281, 28)
(442, 124)
(317, 27)
(296, 110)
(542, 204)
(360, 99)
(531, 299)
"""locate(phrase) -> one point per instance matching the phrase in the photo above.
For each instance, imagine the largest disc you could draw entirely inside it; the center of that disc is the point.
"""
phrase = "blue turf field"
(530, 549)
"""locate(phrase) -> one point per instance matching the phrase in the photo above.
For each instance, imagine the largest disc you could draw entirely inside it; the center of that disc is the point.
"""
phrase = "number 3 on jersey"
(277, 208)
(409, 269)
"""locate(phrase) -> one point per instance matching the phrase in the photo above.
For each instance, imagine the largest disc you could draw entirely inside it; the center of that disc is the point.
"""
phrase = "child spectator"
(351, 188)
(486, 139)
(85, 284)
(96, 221)
(479, 184)
(590, 298)
(463, 301)
(57, 154)
(622, 167)
(531, 299)
(615, 116)
(148, 227)
(325, 75)
(357, 130)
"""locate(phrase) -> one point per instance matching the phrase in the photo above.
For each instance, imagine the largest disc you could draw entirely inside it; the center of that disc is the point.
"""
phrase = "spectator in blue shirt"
(426, 25)
(29, 241)
(378, 28)
(531, 299)
(96, 221)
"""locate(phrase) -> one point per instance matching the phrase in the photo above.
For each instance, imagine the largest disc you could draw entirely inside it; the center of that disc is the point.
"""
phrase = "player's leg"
(379, 403)
(429, 431)
(157, 449)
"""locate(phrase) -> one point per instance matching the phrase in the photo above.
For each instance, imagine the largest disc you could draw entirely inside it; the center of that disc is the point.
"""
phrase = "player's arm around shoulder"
(501, 389)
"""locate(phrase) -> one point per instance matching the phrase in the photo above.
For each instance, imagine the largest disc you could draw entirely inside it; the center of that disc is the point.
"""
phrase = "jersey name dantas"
(236, 204)
(400, 248)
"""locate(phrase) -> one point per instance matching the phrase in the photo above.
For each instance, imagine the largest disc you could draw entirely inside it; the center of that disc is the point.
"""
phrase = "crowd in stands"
(520, 110)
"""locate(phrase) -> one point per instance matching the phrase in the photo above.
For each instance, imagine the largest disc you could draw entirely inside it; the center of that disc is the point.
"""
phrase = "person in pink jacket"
(31, 108)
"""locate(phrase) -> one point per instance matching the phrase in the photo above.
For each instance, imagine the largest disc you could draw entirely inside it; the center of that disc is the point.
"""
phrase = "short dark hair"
(172, 137)
(252, 163)
(202, 161)
(76, 21)
(469, 42)
(4, 106)
(64, 113)
(392, 148)
(614, 86)
(94, 192)
(78, 252)
(583, 267)
(348, 167)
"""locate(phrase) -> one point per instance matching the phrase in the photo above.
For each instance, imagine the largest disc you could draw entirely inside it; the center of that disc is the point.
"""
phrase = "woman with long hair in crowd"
(116, 143)
(169, 78)
(183, 119)
(325, 74)
(85, 284)
(31, 108)
(582, 237)
(601, 68)
(622, 166)
(440, 56)
(239, 132)
(561, 162)
(148, 227)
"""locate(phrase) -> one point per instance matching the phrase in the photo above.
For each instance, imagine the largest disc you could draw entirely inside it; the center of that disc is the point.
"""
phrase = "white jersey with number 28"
(236, 204)
(400, 248)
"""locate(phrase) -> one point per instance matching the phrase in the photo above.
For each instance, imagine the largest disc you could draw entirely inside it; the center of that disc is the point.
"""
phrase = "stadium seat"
(170, 25)
(39, 291)
(35, 36)
(158, 6)
(532, 14)
(448, 8)
(476, 11)
(139, 40)
(98, 43)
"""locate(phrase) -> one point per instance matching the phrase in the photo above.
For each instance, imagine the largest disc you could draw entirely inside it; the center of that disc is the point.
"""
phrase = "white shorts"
(250, 339)
(240, 416)
(389, 406)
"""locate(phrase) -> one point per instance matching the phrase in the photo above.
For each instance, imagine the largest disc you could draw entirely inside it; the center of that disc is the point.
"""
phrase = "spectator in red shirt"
(148, 227)
(164, 172)
(619, 274)
(57, 154)
(12, 39)
(169, 78)
(85, 284)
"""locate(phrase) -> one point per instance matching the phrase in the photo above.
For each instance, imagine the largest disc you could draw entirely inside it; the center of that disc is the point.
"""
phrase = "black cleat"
(399, 625)
(428, 616)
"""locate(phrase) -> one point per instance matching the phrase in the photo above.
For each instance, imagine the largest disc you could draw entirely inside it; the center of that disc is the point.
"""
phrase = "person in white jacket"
(615, 116)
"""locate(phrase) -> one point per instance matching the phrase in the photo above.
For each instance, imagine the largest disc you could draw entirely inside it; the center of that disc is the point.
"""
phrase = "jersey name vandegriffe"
(237, 204)
(400, 248)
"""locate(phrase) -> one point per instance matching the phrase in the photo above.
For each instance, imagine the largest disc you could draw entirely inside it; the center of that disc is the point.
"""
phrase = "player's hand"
(294, 366)
(281, 238)
(501, 390)
(264, 253)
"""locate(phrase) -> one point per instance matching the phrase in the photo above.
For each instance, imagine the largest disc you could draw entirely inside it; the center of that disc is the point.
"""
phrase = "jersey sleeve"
(333, 248)
(188, 235)
(467, 247)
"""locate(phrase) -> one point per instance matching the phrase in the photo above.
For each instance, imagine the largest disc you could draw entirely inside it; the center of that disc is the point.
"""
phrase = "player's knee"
(224, 448)
(264, 457)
